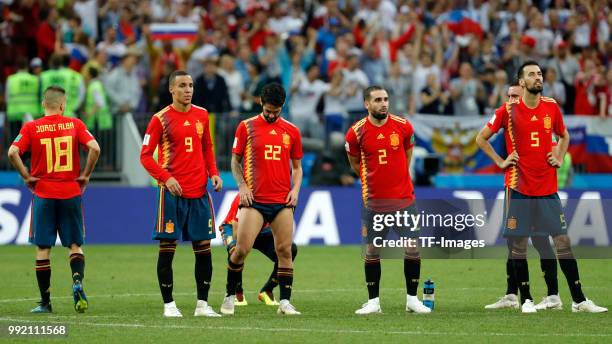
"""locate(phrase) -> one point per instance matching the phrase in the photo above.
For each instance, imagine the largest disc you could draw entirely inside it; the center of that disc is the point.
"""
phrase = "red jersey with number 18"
(529, 132)
(54, 142)
(267, 150)
(385, 177)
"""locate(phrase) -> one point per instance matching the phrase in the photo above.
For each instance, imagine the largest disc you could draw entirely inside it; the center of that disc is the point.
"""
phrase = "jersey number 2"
(63, 149)
(382, 156)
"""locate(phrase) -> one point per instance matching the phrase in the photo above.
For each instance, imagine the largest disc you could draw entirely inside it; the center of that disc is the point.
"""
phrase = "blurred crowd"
(441, 57)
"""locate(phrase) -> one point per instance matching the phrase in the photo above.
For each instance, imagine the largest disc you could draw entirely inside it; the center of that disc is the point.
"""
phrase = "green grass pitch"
(125, 304)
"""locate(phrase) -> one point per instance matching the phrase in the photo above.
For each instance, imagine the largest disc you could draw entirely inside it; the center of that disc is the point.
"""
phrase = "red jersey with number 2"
(54, 142)
(267, 150)
(529, 132)
(385, 177)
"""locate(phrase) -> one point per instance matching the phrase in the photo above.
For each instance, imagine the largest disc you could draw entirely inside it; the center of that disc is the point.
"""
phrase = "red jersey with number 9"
(267, 150)
(54, 142)
(529, 132)
(385, 177)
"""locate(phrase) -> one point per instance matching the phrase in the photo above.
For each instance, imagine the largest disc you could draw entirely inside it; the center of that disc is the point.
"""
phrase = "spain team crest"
(286, 140)
(169, 227)
(199, 129)
(394, 140)
(547, 122)
(511, 223)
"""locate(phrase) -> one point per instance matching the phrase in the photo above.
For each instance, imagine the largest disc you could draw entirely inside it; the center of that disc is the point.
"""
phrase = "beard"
(270, 119)
(534, 89)
(379, 115)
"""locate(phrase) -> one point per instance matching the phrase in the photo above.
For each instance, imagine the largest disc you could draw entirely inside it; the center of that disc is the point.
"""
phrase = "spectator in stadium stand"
(435, 100)
(355, 82)
(36, 66)
(331, 168)
(97, 111)
(24, 19)
(251, 104)
(335, 111)
(567, 67)
(498, 96)
(114, 49)
(45, 36)
(517, 52)
(99, 62)
(429, 61)
(400, 88)
(234, 82)
(372, 65)
(108, 15)
(466, 92)
(210, 90)
(543, 36)
(123, 84)
(162, 97)
(306, 93)
(269, 56)
(586, 98)
(553, 88)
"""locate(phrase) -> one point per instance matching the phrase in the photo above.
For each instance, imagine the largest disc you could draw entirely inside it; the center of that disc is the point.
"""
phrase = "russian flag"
(167, 31)
(461, 23)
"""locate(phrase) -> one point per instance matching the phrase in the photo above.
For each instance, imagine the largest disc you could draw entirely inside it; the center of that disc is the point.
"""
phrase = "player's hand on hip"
(31, 182)
(83, 181)
(553, 160)
(292, 198)
(173, 186)
(246, 195)
(217, 183)
(511, 160)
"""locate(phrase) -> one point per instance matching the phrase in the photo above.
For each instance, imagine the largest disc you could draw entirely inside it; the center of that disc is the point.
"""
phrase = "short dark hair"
(515, 83)
(525, 64)
(368, 91)
(273, 94)
(174, 74)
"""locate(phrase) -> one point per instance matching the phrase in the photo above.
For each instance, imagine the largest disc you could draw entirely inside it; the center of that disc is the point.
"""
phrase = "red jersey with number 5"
(267, 150)
(529, 132)
(385, 177)
(54, 142)
(185, 149)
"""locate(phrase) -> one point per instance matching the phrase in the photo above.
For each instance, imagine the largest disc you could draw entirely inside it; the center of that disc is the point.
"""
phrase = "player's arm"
(352, 151)
(296, 176)
(15, 159)
(246, 195)
(354, 161)
(92, 158)
(482, 139)
(149, 143)
(555, 158)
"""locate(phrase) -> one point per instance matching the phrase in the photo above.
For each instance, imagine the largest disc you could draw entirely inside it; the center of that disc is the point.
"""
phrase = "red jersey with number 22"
(385, 177)
(54, 142)
(267, 150)
(529, 132)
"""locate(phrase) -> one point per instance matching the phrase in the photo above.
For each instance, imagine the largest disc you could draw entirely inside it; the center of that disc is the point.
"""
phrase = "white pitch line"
(311, 330)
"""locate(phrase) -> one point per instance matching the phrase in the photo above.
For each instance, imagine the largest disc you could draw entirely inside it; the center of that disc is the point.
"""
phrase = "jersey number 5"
(63, 151)
(272, 152)
(535, 140)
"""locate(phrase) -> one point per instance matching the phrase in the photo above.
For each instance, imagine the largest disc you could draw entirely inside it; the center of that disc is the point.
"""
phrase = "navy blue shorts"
(268, 211)
(189, 218)
(51, 217)
(374, 226)
(532, 215)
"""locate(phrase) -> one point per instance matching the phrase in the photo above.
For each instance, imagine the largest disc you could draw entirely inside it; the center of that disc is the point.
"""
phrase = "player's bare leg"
(569, 266)
(372, 276)
(43, 277)
(249, 226)
(77, 265)
(282, 229)
(412, 273)
(203, 276)
(165, 277)
(518, 254)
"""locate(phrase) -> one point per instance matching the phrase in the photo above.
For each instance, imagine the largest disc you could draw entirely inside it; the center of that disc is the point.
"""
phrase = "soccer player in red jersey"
(532, 206)
(57, 183)
(186, 160)
(264, 243)
(266, 163)
(379, 149)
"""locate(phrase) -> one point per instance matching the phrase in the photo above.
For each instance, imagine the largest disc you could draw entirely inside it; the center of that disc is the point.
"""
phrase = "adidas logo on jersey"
(186, 124)
(534, 118)
(273, 132)
(380, 136)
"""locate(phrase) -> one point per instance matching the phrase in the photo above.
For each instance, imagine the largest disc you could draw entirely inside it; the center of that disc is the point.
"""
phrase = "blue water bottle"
(428, 294)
